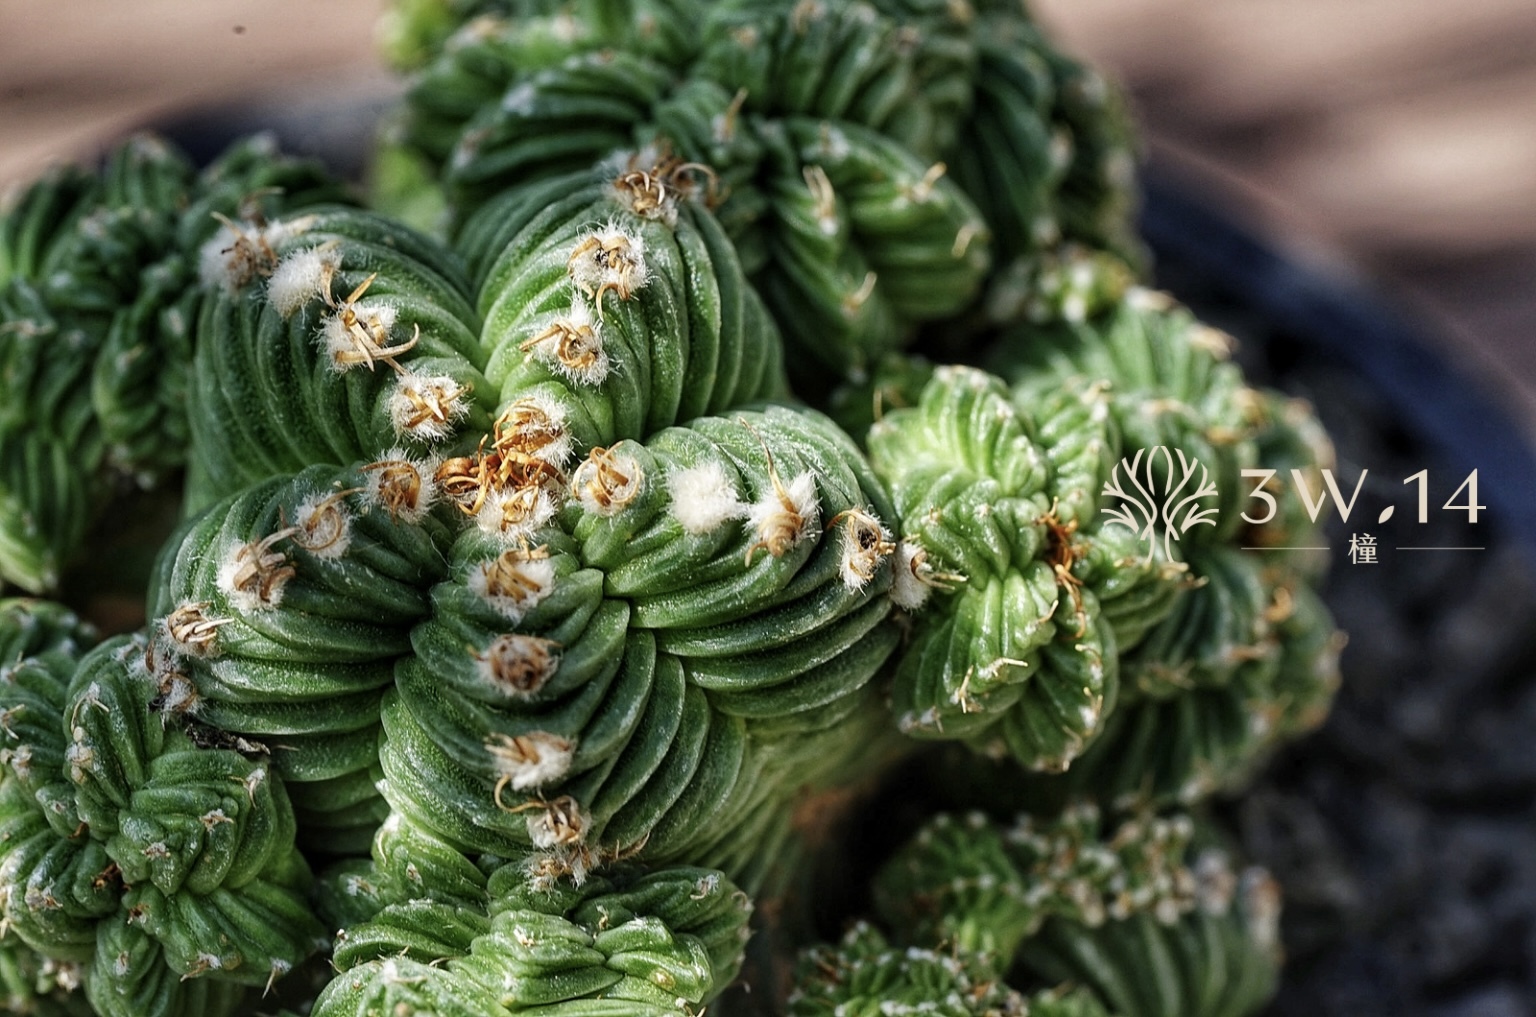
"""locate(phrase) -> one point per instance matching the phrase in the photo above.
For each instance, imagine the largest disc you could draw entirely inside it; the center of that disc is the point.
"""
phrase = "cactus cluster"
(767, 404)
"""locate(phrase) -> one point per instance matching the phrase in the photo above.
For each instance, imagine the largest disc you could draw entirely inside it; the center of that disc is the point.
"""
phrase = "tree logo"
(1163, 495)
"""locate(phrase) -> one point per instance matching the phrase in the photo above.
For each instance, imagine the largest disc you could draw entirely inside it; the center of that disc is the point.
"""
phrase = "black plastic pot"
(1403, 832)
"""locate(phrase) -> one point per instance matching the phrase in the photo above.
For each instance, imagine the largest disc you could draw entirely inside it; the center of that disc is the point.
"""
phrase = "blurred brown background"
(1394, 138)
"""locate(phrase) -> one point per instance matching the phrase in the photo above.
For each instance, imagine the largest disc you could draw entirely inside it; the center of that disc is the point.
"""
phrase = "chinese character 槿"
(1362, 549)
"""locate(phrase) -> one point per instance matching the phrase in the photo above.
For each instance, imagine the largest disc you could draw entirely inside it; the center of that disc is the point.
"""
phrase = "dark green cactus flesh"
(526, 613)
(98, 297)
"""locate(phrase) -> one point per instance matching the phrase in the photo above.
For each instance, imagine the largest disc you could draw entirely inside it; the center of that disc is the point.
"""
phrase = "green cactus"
(98, 297)
(831, 126)
(652, 944)
(1132, 912)
(130, 847)
(864, 975)
(523, 590)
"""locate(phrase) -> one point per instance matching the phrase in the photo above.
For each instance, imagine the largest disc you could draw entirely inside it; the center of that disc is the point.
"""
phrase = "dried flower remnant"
(254, 574)
(358, 333)
(426, 407)
(515, 581)
(609, 258)
(606, 481)
(405, 487)
(573, 344)
(866, 543)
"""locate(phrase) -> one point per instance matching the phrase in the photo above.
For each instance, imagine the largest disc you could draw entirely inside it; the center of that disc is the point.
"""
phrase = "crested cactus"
(653, 944)
(96, 289)
(132, 847)
(526, 613)
(1134, 913)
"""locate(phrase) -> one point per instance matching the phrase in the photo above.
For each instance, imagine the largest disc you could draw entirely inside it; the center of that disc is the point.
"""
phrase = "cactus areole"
(716, 422)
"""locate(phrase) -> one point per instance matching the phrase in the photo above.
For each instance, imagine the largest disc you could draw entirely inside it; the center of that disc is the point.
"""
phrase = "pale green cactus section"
(1142, 429)
(1169, 382)
(1136, 912)
(1247, 660)
(1025, 602)
(865, 976)
(663, 942)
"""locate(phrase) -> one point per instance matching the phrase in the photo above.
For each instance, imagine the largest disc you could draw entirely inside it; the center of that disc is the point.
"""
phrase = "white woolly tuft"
(247, 601)
(180, 696)
(241, 599)
(531, 760)
(834, 144)
(519, 101)
(301, 277)
(553, 443)
(515, 515)
(650, 197)
(186, 630)
(217, 266)
(517, 665)
(239, 252)
(277, 232)
(373, 317)
(513, 584)
(604, 484)
(864, 544)
(609, 257)
(792, 513)
(426, 406)
(623, 160)
(1074, 309)
(20, 761)
(560, 823)
(908, 590)
(703, 497)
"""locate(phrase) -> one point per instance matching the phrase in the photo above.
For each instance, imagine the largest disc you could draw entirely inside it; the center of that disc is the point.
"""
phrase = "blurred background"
(1392, 139)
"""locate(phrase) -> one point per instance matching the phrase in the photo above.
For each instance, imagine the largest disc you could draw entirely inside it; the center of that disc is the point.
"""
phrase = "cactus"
(96, 277)
(1134, 913)
(530, 634)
